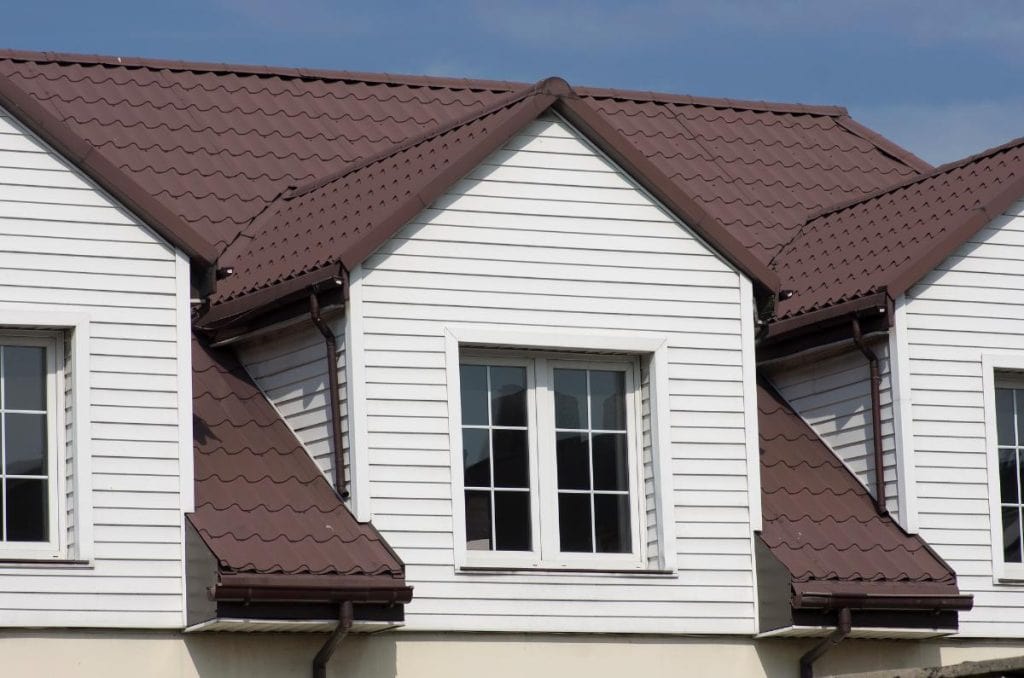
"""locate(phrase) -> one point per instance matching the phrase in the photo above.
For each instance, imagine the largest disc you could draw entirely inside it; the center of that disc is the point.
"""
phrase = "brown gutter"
(312, 588)
(843, 627)
(890, 601)
(340, 631)
(876, 415)
(331, 350)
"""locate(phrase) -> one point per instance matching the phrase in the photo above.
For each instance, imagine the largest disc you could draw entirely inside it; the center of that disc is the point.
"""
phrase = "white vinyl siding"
(290, 368)
(65, 247)
(971, 305)
(547, 235)
(833, 395)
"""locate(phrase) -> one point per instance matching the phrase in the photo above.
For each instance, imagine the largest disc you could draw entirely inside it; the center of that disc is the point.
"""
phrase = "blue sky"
(943, 77)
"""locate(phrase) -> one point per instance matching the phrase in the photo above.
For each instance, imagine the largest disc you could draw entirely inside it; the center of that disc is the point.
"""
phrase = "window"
(1010, 439)
(550, 460)
(30, 473)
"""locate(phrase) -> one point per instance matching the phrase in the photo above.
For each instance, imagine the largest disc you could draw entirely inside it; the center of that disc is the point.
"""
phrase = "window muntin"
(582, 428)
(30, 475)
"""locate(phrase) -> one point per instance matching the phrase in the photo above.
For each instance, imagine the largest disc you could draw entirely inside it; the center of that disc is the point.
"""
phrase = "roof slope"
(217, 144)
(345, 216)
(262, 505)
(822, 525)
(892, 239)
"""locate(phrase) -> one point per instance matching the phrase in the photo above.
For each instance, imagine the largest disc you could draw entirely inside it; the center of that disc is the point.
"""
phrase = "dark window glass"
(508, 396)
(1008, 476)
(1019, 403)
(611, 523)
(473, 394)
(511, 458)
(573, 461)
(512, 520)
(1004, 416)
(478, 520)
(1011, 534)
(26, 510)
(611, 469)
(476, 455)
(25, 444)
(1020, 471)
(608, 400)
(24, 369)
(574, 523)
(571, 399)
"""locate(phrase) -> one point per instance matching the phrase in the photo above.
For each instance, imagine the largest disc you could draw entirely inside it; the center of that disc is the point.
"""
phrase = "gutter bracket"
(334, 640)
(843, 627)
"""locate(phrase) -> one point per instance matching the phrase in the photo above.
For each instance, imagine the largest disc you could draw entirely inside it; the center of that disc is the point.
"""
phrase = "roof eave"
(909, 602)
(95, 165)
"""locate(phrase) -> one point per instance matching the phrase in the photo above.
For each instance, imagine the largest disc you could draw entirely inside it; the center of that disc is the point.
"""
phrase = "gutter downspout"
(876, 416)
(338, 635)
(331, 345)
(843, 627)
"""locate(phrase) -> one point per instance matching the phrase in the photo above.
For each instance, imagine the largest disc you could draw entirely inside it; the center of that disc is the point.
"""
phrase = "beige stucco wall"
(405, 654)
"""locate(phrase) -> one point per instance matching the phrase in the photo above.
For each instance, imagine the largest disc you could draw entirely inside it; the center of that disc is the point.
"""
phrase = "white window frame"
(477, 344)
(53, 547)
(992, 366)
(74, 328)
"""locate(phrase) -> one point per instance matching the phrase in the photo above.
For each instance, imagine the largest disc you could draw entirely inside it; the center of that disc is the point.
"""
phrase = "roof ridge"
(829, 110)
(411, 80)
(471, 116)
(256, 69)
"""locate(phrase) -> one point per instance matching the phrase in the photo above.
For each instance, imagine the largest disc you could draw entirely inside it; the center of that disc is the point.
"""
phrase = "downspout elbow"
(333, 641)
(876, 415)
(844, 625)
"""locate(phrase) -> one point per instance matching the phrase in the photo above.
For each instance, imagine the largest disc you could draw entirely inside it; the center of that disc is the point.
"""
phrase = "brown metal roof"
(263, 507)
(822, 525)
(217, 144)
(890, 240)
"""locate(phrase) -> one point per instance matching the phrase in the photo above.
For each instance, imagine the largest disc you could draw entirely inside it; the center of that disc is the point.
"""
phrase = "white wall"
(66, 248)
(833, 394)
(289, 367)
(546, 233)
(973, 303)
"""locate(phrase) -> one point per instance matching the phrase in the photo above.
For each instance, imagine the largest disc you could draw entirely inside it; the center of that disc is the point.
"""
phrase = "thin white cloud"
(941, 133)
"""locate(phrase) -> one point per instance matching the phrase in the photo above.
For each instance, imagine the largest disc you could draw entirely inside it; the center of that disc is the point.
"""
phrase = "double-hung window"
(550, 460)
(31, 479)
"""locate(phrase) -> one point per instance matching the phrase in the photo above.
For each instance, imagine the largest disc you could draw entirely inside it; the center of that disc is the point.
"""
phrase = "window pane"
(478, 520)
(25, 444)
(574, 523)
(26, 510)
(474, 394)
(611, 471)
(570, 398)
(512, 521)
(611, 523)
(1019, 400)
(573, 461)
(1004, 416)
(476, 457)
(511, 458)
(1008, 477)
(1011, 535)
(508, 396)
(608, 400)
(24, 377)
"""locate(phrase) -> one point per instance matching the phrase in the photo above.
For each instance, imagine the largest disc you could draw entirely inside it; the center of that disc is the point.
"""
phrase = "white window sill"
(44, 563)
(574, 570)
